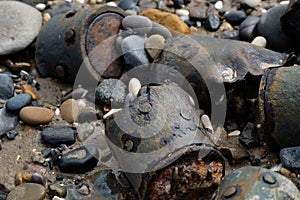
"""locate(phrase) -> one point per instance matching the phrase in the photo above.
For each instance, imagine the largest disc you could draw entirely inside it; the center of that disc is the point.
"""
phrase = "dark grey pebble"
(54, 136)
(6, 86)
(247, 29)
(160, 30)
(37, 178)
(79, 160)
(269, 27)
(17, 102)
(8, 121)
(236, 17)
(127, 4)
(110, 91)
(139, 24)
(290, 157)
(133, 51)
(290, 22)
(249, 137)
(212, 22)
(12, 134)
(232, 35)
(89, 116)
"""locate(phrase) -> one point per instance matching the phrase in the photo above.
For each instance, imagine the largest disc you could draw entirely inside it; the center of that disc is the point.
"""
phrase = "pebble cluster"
(64, 164)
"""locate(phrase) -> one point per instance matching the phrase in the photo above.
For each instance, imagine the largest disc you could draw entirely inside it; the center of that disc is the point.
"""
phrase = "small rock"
(198, 11)
(236, 17)
(247, 29)
(259, 41)
(169, 20)
(20, 28)
(17, 102)
(160, 30)
(89, 116)
(10, 135)
(134, 52)
(248, 137)
(37, 178)
(8, 121)
(57, 189)
(154, 44)
(178, 3)
(290, 157)
(70, 110)
(253, 3)
(110, 91)
(6, 83)
(40, 6)
(182, 12)
(234, 133)
(219, 5)
(79, 160)
(285, 171)
(36, 115)
(83, 190)
(139, 24)
(84, 131)
(55, 136)
(212, 22)
(77, 93)
(127, 4)
(27, 191)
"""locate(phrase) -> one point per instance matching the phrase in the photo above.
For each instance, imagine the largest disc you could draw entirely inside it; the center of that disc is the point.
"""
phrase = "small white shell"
(134, 86)
(259, 41)
(206, 122)
(234, 133)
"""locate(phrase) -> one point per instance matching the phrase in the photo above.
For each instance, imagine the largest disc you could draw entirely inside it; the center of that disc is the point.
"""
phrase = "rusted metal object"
(160, 144)
(80, 39)
(279, 106)
(256, 183)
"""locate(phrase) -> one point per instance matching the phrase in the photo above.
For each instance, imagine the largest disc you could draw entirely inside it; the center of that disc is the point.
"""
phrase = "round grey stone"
(139, 24)
(20, 24)
(6, 84)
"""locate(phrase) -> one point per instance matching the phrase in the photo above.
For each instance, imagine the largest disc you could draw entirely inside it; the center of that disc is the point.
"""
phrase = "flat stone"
(54, 136)
(8, 121)
(27, 191)
(36, 115)
(290, 157)
(17, 102)
(134, 52)
(169, 20)
(79, 160)
(84, 131)
(70, 110)
(20, 24)
(6, 83)
(235, 17)
(139, 24)
(154, 44)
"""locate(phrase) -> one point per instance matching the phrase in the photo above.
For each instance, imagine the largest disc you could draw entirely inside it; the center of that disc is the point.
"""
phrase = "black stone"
(89, 116)
(11, 135)
(178, 3)
(37, 178)
(17, 102)
(290, 22)
(290, 157)
(6, 87)
(247, 30)
(236, 17)
(212, 22)
(249, 137)
(127, 4)
(54, 136)
(72, 163)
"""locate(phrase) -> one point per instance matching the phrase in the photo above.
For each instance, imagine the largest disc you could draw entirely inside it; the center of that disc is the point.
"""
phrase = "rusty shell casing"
(256, 183)
(82, 40)
(279, 106)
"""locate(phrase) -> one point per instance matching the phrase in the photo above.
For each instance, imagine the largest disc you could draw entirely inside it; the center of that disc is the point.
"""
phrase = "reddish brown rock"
(36, 115)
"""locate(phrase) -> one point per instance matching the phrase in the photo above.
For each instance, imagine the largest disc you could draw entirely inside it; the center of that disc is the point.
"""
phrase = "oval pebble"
(27, 191)
(259, 41)
(36, 115)
(70, 110)
(140, 24)
(253, 3)
(20, 24)
(55, 136)
(127, 4)
(17, 102)
(154, 44)
(236, 17)
(182, 12)
(79, 160)
(6, 84)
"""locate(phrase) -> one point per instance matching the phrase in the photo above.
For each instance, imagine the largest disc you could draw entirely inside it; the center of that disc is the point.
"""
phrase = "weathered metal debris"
(256, 183)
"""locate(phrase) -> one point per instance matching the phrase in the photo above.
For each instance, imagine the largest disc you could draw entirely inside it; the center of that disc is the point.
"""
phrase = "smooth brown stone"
(70, 110)
(169, 20)
(36, 115)
(27, 191)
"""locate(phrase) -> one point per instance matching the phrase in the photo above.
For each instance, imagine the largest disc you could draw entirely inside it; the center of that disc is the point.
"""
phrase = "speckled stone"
(6, 84)
(17, 102)
(70, 110)
(27, 191)
(36, 115)
(20, 24)
(110, 91)
(139, 24)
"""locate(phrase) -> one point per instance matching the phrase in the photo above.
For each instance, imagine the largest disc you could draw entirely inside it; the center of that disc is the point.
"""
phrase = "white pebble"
(134, 86)
(253, 3)
(81, 1)
(219, 5)
(111, 3)
(182, 12)
(284, 2)
(70, 1)
(40, 6)
(198, 23)
(206, 122)
(57, 111)
(259, 41)
(57, 198)
(184, 18)
(234, 133)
